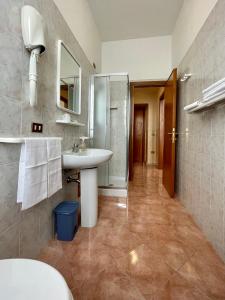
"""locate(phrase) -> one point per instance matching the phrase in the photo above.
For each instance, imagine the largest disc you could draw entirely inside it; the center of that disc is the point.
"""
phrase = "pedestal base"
(89, 197)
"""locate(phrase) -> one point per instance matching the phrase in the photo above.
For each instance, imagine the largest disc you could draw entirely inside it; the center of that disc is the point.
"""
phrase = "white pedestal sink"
(87, 162)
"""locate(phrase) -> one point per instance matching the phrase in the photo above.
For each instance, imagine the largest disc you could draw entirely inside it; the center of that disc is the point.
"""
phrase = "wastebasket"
(66, 220)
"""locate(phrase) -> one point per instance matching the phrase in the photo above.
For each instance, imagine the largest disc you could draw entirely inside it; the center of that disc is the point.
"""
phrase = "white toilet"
(26, 279)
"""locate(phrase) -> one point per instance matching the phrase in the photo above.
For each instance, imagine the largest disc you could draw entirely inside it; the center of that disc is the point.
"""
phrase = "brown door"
(161, 132)
(139, 134)
(170, 133)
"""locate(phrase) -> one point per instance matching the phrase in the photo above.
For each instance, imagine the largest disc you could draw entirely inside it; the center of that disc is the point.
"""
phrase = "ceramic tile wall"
(22, 234)
(201, 155)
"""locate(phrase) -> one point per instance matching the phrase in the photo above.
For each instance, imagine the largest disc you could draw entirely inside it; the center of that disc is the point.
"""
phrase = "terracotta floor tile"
(144, 246)
(174, 253)
(90, 264)
(156, 235)
(211, 273)
(177, 288)
(109, 286)
(50, 255)
(147, 270)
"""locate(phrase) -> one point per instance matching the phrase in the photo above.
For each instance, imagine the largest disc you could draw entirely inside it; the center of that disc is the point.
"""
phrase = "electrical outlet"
(37, 127)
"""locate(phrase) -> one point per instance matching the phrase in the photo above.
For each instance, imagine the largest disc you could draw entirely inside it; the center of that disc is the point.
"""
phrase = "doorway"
(144, 134)
(160, 96)
(140, 133)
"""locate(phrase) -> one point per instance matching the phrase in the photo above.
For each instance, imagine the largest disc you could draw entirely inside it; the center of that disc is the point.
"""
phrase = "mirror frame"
(60, 44)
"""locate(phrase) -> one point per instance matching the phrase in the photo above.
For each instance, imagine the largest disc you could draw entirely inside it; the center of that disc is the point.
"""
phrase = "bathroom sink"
(88, 162)
(90, 158)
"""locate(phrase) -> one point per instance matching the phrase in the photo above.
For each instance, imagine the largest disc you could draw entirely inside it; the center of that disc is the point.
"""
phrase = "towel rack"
(21, 140)
(216, 94)
(204, 105)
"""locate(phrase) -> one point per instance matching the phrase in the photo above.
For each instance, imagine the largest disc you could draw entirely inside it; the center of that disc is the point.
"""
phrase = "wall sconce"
(185, 77)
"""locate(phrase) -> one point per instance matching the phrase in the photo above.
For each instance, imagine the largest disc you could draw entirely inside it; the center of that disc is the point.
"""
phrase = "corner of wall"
(80, 20)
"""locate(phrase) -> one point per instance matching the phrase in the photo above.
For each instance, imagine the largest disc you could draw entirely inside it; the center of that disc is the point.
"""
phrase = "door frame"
(161, 130)
(133, 85)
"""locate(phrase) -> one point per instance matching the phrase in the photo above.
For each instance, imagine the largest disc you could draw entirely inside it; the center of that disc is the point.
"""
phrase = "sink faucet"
(75, 148)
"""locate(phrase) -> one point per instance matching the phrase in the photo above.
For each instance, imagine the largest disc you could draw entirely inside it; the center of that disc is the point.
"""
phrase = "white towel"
(213, 96)
(214, 88)
(54, 165)
(192, 105)
(219, 89)
(32, 179)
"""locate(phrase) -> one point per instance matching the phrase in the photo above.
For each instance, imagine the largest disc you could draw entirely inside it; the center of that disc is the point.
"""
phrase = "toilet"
(26, 279)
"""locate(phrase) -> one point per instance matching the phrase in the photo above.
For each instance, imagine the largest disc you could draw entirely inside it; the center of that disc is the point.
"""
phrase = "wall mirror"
(68, 81)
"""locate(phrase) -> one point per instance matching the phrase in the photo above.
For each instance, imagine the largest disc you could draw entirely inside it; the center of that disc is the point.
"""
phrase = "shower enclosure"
(109, 126)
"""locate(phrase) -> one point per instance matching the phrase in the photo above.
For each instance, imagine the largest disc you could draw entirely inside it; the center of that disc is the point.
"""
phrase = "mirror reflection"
(70, 82)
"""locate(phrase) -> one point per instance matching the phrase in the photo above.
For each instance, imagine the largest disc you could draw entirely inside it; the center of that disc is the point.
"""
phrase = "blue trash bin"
(66, 220)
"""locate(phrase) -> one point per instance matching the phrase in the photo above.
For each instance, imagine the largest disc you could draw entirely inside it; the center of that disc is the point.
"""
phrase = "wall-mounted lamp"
(185, 77)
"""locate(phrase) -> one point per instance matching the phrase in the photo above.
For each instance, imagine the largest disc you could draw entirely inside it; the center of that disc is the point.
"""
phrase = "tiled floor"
(144, 247)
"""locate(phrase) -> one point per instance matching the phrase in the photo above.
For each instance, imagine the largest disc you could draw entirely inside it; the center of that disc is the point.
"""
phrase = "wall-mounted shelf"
(71, 123)
(12, 140)
(20, 140)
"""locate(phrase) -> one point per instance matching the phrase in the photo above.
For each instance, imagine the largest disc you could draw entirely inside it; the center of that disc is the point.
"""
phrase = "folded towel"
(213, 96)
(192, 105)
(54, 176)
(54, 165)
(54, 148)
(32, 179)
(215, 91)
(214, 88)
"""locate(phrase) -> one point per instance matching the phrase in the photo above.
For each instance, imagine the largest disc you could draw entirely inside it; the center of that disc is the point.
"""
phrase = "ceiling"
(130, 19)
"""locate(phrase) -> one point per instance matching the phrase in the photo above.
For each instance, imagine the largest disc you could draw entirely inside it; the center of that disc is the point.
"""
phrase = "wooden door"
(131, 135)
(139, 134)
(161, 132)
(145, 133)
(170, 133)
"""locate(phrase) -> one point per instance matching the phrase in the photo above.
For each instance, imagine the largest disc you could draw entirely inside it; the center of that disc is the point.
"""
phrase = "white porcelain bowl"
(26, 279)
(90, 158)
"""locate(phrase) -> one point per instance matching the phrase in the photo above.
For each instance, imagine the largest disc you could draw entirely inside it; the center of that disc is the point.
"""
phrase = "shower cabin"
(109, 129)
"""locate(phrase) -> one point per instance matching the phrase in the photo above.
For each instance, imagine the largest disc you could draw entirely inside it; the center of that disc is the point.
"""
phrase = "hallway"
(144, 247)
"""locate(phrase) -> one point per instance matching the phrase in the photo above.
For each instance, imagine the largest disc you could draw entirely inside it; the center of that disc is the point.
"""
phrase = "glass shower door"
(101, 129)
(109, 126)
(118, 131)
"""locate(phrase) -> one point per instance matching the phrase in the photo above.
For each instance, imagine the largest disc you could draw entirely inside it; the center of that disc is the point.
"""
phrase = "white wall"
(78, 16)
(143, 59)
(146, 58)
(192, 16)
